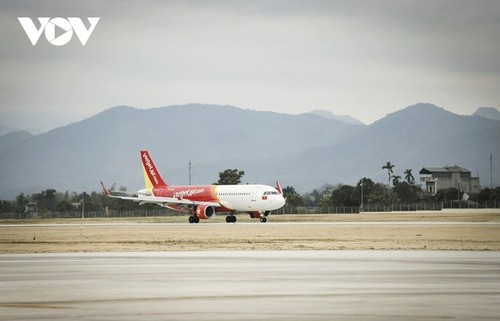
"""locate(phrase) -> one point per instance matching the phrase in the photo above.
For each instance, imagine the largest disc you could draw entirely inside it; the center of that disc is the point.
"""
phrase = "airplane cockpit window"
(270, 193)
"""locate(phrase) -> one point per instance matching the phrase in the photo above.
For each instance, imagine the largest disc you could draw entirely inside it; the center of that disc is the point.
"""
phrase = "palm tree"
(395, 179)
(409, 177)
(389, 168)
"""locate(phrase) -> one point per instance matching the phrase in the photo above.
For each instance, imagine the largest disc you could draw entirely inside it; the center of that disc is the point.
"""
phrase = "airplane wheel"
(230, 219)
(191, 219)
(263, 219)
(196, 219)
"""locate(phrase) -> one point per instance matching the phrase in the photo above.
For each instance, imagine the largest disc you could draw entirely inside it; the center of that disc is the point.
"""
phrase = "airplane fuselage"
(240, 198)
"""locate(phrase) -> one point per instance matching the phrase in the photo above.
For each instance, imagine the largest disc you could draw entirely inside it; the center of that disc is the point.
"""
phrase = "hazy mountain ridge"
(13, 138)
(487, 112)
(304, 151)
(330, 115)
(417, 136)
(106, 146)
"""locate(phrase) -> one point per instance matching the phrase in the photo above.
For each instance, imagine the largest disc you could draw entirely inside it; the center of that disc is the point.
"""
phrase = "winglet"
(278, 187)
(104, 189)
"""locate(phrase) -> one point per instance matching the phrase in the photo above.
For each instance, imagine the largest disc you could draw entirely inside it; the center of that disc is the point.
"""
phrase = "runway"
(251, 285)
(132, 224)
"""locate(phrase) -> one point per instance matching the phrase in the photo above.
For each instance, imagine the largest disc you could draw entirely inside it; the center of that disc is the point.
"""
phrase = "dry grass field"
(403, 231)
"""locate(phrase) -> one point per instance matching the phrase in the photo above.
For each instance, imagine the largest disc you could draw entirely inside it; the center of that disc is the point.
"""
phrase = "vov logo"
(58, 31)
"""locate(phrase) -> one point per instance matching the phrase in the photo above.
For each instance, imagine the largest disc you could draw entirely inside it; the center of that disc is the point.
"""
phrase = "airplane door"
(254, 195)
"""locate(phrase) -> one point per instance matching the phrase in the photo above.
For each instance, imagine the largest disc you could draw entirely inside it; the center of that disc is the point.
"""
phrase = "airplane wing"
(170, 202)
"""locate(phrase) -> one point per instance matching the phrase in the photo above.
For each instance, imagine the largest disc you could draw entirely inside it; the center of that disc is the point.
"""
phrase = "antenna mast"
(491, 170)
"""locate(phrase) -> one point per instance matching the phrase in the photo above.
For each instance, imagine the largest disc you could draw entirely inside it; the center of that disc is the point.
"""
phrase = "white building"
(437, 178)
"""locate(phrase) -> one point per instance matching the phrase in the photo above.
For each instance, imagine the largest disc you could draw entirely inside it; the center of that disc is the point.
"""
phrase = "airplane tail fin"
(152, 177)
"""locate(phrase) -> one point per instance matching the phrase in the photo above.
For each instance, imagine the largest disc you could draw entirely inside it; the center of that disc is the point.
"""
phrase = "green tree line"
(366, 192)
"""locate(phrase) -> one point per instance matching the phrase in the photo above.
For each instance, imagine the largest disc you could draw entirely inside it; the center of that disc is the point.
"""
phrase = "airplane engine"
(205, 212)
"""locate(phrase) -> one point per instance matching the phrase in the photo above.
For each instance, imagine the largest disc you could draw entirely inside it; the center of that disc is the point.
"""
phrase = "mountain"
(106, 147)
(4, 129)
(12, 139)
(304, 151)
(329, 115)
(487, 112)
(417, 136)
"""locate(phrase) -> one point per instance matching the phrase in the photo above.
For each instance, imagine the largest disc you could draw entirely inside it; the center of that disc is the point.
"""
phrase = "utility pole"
(491, 170)
(362, 183)
(83, 211)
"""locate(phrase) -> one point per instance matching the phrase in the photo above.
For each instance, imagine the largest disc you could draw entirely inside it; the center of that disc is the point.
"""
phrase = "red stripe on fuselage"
(201, 193)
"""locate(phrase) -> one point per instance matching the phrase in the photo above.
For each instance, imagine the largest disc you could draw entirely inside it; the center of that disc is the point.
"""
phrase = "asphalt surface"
(251, 285)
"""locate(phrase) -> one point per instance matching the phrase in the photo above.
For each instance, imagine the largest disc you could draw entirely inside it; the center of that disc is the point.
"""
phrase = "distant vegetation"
(366, 192)
(304, 151)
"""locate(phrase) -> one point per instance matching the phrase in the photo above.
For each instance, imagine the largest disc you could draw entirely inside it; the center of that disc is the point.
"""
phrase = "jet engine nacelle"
(205, 212)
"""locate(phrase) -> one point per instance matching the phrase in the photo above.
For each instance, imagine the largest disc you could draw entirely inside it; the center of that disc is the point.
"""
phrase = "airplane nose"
(282, 201)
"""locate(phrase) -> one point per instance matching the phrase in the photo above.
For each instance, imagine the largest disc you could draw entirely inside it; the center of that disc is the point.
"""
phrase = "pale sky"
(361, 58)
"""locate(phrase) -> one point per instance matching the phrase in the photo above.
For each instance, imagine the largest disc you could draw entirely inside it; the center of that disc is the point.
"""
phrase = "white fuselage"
(247, 198)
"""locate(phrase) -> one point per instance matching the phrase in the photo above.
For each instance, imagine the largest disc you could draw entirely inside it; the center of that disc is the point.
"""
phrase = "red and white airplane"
(203, 201)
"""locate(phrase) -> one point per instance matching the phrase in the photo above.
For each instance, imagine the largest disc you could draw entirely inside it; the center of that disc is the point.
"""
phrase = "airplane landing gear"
(194, 219)
(263, 219)
(230, 219)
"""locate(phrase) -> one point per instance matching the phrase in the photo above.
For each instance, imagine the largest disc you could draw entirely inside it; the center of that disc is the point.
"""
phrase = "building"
(437, 178)
(31, 209)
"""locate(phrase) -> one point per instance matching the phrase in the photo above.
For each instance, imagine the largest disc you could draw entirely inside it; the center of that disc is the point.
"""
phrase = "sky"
(360, 58)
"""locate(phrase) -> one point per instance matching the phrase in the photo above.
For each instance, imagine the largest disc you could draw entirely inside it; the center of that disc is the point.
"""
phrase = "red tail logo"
(150, 169)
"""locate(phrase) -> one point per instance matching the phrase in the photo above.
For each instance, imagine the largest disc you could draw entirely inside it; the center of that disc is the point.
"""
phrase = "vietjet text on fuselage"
(203, 201)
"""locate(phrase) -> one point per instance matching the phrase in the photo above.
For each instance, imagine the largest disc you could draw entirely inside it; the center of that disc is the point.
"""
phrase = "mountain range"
(304, 151)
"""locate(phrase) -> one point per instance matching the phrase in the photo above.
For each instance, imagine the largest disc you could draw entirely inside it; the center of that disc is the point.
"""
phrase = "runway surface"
(251, 285)
(129, 224)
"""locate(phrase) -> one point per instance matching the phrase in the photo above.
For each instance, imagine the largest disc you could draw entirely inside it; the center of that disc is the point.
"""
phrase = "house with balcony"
(437, 178)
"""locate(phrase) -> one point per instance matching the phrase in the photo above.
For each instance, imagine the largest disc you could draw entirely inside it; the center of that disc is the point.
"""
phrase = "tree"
(230, 177)
(389, 168)
(449, 194)
(367, 185)
(292, 197)
(395, 179)
(407, 193)
(382, 196)
(345, 196)
(21, 202)
(409, 176)
(6, 206)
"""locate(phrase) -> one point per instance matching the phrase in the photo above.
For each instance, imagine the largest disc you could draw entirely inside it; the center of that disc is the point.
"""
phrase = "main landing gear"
(194, 219)
(231, 219)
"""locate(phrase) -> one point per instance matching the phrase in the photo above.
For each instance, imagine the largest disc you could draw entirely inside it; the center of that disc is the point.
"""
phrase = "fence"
(412, 207)
(94, 214)
(284, 210)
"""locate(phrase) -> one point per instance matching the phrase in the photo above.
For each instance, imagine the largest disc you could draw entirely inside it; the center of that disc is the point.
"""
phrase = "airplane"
(204, 201)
